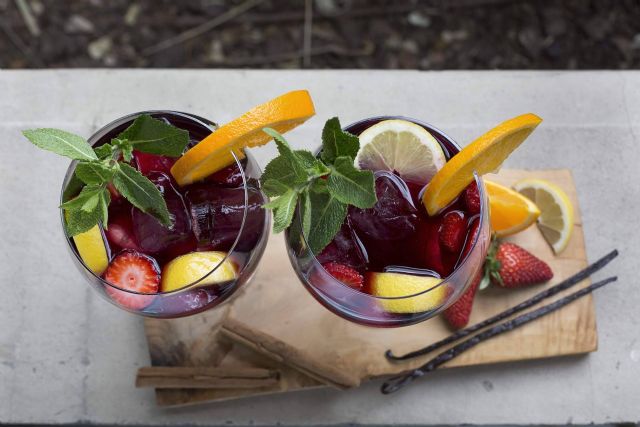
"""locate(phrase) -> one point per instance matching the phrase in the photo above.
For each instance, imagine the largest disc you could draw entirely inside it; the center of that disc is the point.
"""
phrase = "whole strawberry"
(510, 266)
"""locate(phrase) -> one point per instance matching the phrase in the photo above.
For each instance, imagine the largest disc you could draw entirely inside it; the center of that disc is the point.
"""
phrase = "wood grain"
(276, 307)
(205, 377)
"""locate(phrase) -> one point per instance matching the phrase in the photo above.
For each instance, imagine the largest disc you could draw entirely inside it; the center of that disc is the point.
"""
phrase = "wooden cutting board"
(277, 318)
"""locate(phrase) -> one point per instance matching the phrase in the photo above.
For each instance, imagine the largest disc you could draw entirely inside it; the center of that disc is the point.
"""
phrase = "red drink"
(395, 236)
(222, 213)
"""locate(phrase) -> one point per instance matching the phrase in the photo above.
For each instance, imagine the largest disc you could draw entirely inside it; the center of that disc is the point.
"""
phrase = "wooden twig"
(201, 377)
(29, 20)
(203, 28)
(308, 26)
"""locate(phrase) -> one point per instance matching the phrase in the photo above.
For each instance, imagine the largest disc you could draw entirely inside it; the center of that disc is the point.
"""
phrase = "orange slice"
(483, 155)
(511, 212)
(214, 152)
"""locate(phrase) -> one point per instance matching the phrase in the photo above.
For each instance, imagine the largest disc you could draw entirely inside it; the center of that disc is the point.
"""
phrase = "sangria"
(393, 264)
(218, 233)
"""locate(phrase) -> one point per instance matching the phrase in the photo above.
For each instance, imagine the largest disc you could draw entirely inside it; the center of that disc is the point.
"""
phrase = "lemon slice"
(401, 146)
(186, 269)
(511, 212)
(390, 285)
(556, 217)
(483, 155)
(92, 249)
(215, 151)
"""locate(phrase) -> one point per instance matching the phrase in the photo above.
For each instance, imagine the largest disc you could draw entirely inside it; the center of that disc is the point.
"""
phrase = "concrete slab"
(66, 356)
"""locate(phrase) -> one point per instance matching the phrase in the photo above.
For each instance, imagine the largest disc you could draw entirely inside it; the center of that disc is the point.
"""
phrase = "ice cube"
(345, 248)
(148, 163)
(217, 214)
(151, 235)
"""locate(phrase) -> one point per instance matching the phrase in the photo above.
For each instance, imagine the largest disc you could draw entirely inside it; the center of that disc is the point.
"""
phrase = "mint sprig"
(322, 188)
(87, 205)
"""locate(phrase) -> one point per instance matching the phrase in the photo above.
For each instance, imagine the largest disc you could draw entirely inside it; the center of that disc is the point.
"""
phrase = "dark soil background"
(444, 34)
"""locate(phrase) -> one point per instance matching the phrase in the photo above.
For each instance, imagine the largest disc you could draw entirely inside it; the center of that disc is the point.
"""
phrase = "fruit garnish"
(458, 314)
(345, 274)
(428, 251)
(511, 266)
(403, 147)
(132, 271)
(92, 249)
(325, 186)
(556, 211)
(453, 230)
(511, 212)
(187, 269)
(215, 151)
(482, 156)
(393, 285)
(471, 198)
(106, 166)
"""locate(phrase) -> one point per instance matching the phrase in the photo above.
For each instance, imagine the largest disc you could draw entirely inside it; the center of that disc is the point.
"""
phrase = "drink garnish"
(485, 154)
(322, 187)
(556, 211)
(87, 197)
(511, 212)
(217, 150)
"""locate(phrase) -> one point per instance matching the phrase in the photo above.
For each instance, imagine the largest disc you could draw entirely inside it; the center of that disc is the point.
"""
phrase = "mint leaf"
(141, 192)
(314, 167)
(126, 147)
(93, 173)
(73, 188)
(80, 221)
(105, 199)
(85, 197)
(305, 212)
(283, 209)
(155, 136)
(104, 151)
(61, 142)
(289, 167)
(326, 218)
(274, 188)
(337, 143)
(350, 185)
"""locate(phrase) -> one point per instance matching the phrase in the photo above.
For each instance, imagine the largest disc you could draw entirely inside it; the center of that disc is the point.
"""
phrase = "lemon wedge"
(186, 269)
(511, 212)
(556, 211)
(390, 285)
(92, 249)
(403, 147)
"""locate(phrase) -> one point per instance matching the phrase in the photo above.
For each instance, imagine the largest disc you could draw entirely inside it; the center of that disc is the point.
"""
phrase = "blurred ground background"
(404, 34)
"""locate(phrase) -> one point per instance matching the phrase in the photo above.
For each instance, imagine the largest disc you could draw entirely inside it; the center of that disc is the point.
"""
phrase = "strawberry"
(132, 271)
(120, 232)
(472, 198)
(115, 194)
(510, 266)
(457, 315)
(345, 274)
(452, 231)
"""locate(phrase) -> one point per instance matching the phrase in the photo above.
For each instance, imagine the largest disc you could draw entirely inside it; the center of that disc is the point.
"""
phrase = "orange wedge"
(214, 152)
(511, 212)
(483, 155)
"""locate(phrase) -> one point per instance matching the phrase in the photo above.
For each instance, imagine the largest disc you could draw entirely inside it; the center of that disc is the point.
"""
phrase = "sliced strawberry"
(148, 163)
(132, 271)
(452, 231)
(472, 198)
(345, 274)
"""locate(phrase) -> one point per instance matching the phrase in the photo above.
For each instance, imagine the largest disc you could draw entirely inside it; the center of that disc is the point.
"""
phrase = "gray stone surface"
(67, 356)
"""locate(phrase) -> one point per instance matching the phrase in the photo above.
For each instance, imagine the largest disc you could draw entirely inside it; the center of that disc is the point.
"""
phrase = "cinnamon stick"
(287, 354)
(200, 377)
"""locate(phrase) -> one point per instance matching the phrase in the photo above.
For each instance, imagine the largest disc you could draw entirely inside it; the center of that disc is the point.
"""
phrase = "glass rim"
(484, 208)
(99, 134)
